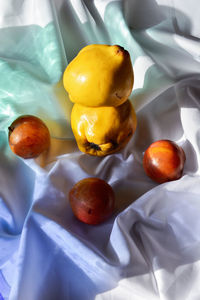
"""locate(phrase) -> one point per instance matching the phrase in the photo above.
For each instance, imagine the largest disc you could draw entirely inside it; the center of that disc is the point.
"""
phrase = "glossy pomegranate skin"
(28, 136)
(92, 200)
(164, 161)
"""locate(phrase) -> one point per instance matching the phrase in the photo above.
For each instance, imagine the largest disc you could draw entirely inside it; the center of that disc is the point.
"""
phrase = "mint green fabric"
(31, 67)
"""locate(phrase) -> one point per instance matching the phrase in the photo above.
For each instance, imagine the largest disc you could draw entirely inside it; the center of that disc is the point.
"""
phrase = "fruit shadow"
(128, 191)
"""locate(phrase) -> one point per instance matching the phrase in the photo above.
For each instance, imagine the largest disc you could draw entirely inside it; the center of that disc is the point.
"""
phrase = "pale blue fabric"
(149, 248)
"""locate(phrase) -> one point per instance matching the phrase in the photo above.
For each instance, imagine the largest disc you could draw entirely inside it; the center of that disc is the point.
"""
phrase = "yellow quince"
(100, 75)
(103, 130)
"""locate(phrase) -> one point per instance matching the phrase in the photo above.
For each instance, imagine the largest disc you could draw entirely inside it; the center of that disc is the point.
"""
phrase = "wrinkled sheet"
(150, 247)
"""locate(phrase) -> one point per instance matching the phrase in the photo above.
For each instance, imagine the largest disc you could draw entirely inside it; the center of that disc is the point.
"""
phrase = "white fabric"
(150, 247)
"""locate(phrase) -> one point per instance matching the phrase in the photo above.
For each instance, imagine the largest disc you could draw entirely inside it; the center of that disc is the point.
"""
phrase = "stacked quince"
(99, 81)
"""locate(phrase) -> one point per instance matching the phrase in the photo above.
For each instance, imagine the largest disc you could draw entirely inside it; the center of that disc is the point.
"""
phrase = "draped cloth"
(150, 247)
